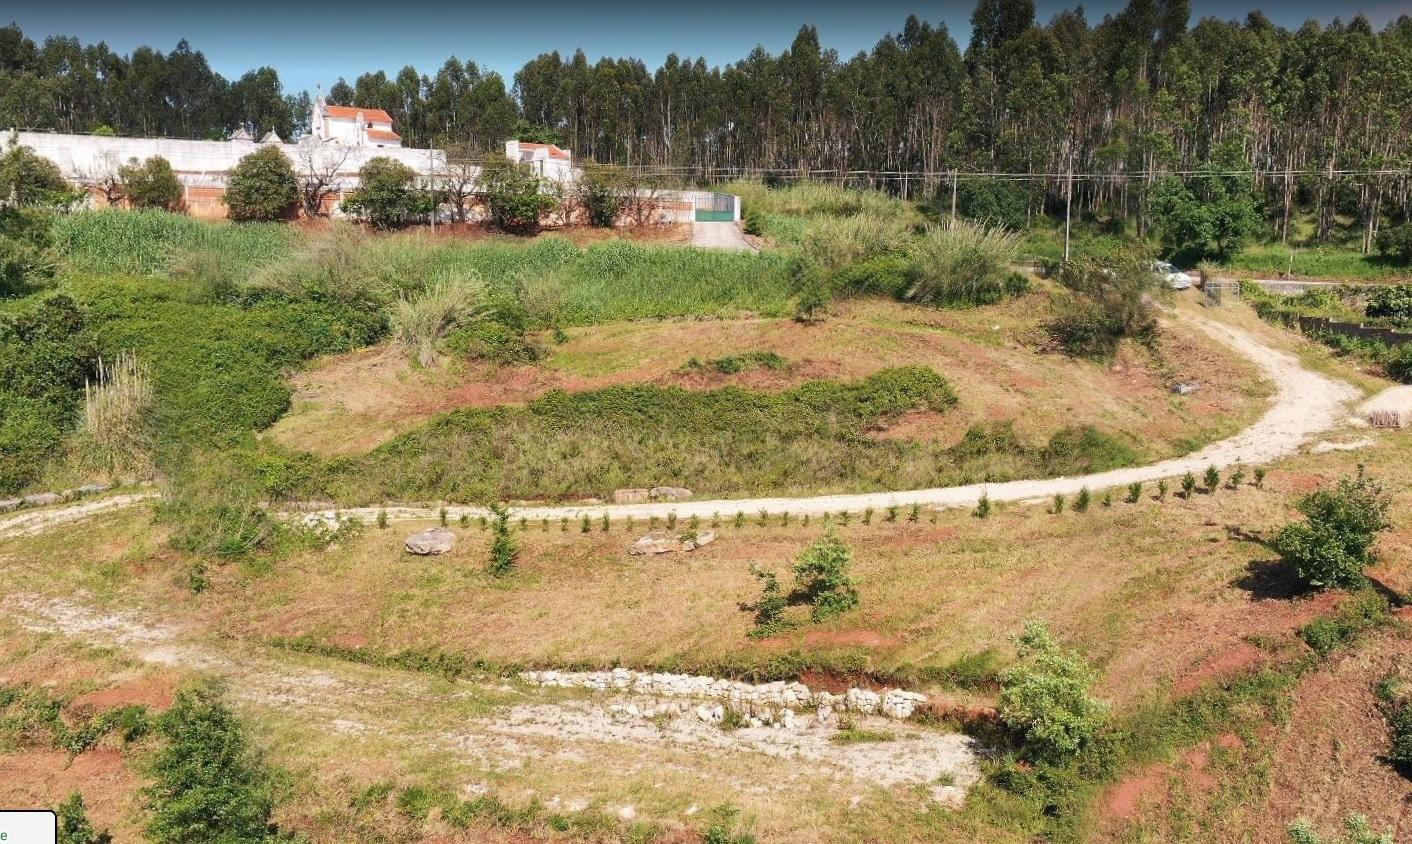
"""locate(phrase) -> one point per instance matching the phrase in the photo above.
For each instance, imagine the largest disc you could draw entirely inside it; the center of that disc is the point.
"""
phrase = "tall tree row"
(1320, 115)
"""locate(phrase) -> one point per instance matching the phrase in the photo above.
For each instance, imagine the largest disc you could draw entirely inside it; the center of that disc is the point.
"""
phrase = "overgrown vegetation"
(1046, 699)
(1333, 546)
(1111, 301)
(208, 785)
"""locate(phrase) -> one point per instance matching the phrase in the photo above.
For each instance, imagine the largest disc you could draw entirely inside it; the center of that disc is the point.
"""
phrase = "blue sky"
(315, 41)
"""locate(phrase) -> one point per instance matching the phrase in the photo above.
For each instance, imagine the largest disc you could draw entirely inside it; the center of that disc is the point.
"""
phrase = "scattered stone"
(631, 496)
(39, 499)
(9, 504)
(627, 813)
(669, 493)
(437, 540)
(90, 489)
(1183, 388)
(662, 542)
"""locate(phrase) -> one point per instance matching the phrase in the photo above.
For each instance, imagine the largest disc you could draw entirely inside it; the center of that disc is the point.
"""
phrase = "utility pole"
(1068, 203)
(953, 195)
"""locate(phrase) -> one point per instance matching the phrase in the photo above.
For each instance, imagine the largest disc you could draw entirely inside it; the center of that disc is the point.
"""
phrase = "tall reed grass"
(421, 321)
(146, 242)
(115, 436)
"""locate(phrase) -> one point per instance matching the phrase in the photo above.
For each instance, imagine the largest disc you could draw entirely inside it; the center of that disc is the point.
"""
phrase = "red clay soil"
(1148, 789)
(45, 778)
(1327, 761)
(1239, 657)
(155, 691)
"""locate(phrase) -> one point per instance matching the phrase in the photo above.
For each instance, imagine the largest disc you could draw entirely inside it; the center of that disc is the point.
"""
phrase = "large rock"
(631, 496)
(11, 504)
(40, 499)
(662, 542)
(669, 493)
(437, 540)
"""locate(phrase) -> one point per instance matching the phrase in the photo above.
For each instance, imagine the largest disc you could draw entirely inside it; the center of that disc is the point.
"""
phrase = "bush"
(386, 195)
(1084, 450)
(1111, 301)
(769, 608)
(262, 187)
(151, 184)
(74, 826)
(753, 222)
(421, 322)
(1357, 831)
(1333, 545)
(821, 578)
(208, 785)
(1212, 214)
(1045, 699)
(1399, 364)
(503, 550)
(31, 178)
(1395, 243)
(994, 202)
(1392, 302)
(964, 263)
(1361, 612)
(514, 196)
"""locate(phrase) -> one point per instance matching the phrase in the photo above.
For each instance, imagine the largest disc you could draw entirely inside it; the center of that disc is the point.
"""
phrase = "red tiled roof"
(554, 152)
(370, 115)
(382, 135)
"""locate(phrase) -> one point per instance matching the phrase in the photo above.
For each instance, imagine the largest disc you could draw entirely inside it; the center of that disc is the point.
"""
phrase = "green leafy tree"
(1333, 546)
(386, 195)
(262, 186)
(514, 196)
(821, 577)
(1210, 216)
(769, 608)
(74, 826)
(1046, 698)
(1393, 301)
(151, 184)
(27, 178)
(1395, 243)
(208, 785)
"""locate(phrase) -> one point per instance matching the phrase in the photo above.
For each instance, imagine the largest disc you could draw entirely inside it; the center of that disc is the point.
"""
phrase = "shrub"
(262, 186)
(1212, 213)
(1260, 472)
(769, 608)
(1357, 831)
(1333, 545)
(151, 184)
(1134, 492)
(1162, 487)
(30, 178)
(423, 321)
(1111, 300)
(208, 786)
(514, 196)
(983, 506)
(1395, 243)
(1211, 479)
(1399, 364)
(821, 578)
(1083, 450)
(1361, 612)
(74, 826)
(503, 550)
(1045, 699)
(1058, 503)
(1082, 500)
(386, 195)
(753, 221)
(995, 202)
(116, 435)
(1393, 301)
(964, 263)
(1188, 485)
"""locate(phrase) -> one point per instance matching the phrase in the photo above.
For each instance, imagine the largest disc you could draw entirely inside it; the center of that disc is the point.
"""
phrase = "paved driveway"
(719, 236)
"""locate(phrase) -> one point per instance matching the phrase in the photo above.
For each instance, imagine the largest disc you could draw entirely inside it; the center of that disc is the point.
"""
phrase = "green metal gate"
(715, 208)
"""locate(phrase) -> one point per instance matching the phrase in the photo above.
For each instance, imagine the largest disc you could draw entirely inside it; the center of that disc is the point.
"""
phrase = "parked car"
(1171, 276)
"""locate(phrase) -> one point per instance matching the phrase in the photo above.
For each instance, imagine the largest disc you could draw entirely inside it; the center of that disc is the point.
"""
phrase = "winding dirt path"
(1306, 403)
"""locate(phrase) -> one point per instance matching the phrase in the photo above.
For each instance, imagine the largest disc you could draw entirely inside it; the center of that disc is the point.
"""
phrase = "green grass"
(1329, 262)
(148, 242)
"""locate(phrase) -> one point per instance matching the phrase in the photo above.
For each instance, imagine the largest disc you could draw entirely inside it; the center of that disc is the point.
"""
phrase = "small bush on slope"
(821, 578)
(1045, 699)
(1333, 545)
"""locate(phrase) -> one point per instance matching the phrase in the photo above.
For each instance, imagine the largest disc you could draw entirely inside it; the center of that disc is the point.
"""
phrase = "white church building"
(353, 126)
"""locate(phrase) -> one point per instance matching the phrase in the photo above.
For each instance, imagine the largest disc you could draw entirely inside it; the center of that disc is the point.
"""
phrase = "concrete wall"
(201, 166)
(1321, 325)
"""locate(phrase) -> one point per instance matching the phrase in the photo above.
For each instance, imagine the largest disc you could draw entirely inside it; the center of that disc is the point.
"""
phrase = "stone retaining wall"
(746, 697)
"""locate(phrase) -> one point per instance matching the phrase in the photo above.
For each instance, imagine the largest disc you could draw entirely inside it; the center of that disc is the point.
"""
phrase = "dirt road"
(719, 236)
(1306, 403)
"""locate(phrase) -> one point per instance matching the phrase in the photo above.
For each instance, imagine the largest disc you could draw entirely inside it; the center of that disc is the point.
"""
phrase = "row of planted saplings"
(1209, 483)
